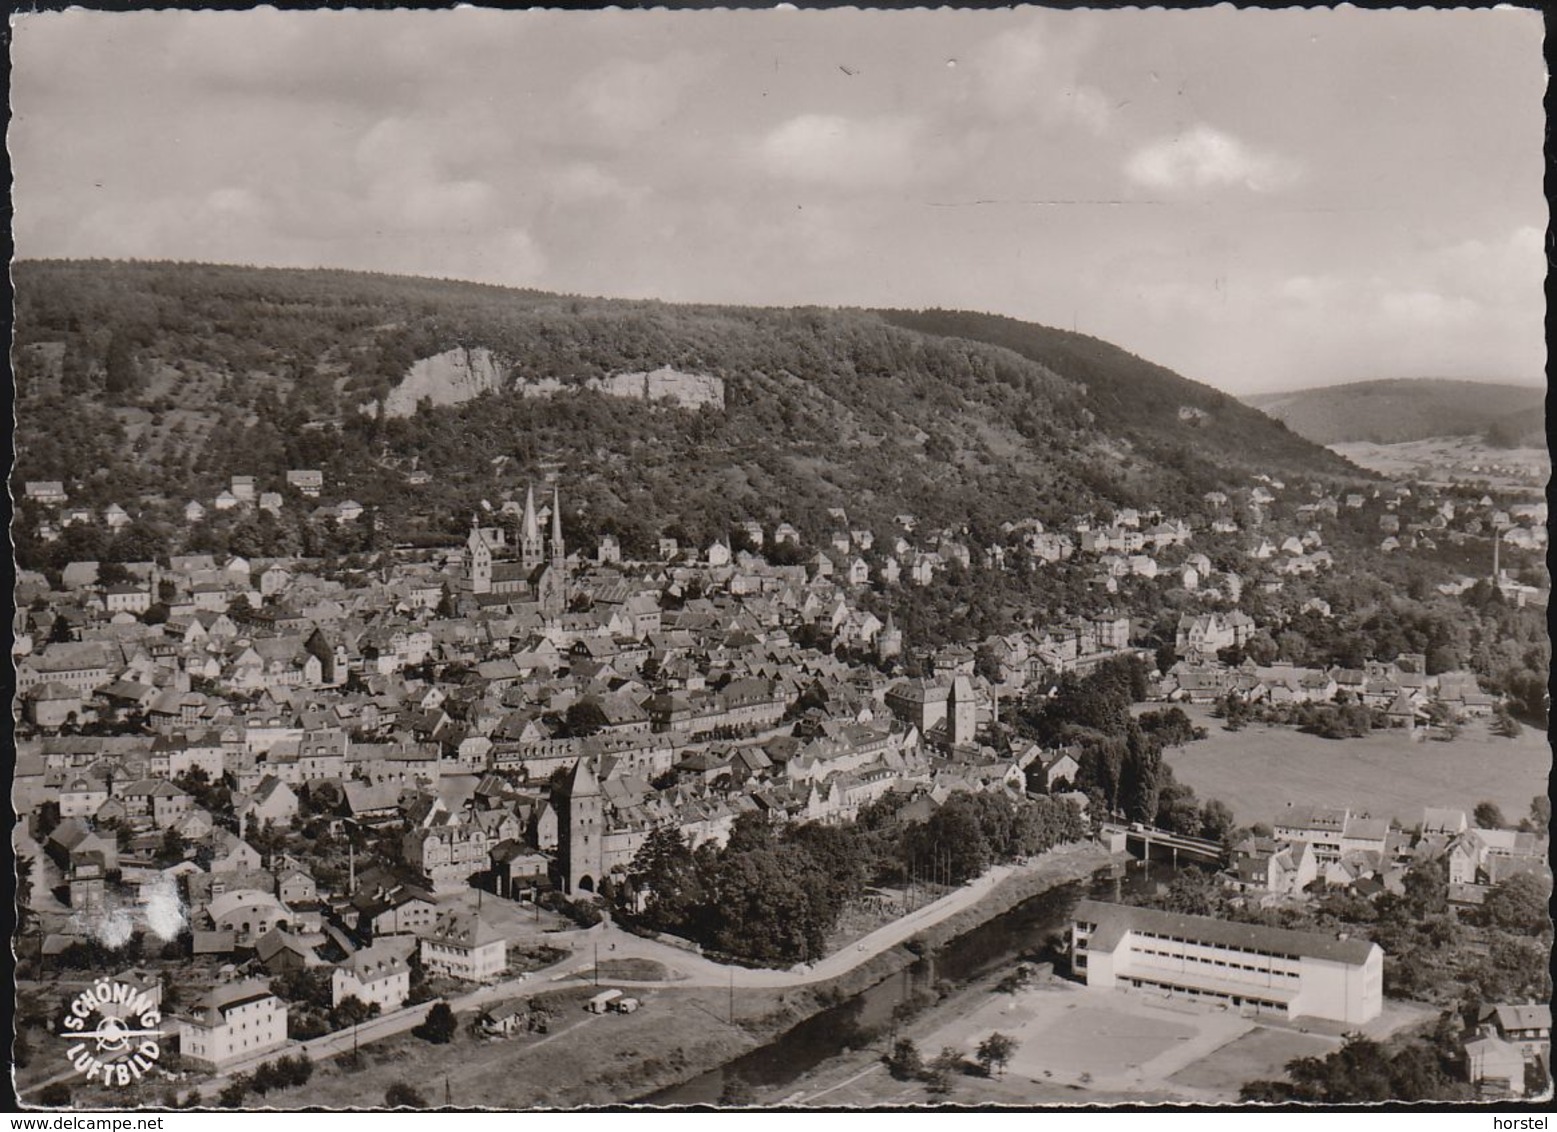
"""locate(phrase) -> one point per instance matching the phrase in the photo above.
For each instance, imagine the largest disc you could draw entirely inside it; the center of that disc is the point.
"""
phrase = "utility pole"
(597, 962)
(732, 996)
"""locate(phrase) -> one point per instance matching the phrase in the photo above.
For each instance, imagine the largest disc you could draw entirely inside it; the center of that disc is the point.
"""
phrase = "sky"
(1258, 200)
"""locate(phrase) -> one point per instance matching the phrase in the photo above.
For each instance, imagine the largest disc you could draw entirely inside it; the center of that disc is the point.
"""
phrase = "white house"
(373, 975)
(465, 946)
(234, 1021)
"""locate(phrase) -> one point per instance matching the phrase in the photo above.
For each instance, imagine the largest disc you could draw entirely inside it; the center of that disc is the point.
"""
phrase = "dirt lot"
(584, 1059)
(633, 970)
(1259, 769)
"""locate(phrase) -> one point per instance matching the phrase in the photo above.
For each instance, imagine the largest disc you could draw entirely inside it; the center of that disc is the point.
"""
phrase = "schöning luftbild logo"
(114, 1031)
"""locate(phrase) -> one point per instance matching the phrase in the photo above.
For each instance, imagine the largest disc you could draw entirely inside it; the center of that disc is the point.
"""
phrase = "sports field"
(1258, 770)
(1101, 1041)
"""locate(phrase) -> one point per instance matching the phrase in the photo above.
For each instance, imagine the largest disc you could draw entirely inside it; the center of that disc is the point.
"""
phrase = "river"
(1028, 930)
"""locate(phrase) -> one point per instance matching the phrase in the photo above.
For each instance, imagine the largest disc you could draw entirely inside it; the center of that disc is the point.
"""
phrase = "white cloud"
(1500, 271)
(1204, 157)
(1034, 71)
(584, 183)
(829, 149)
(1428, 310)
(626, 97)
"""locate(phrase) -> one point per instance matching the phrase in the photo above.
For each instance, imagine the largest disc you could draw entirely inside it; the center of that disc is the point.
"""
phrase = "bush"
(232, 1096)
(401, 1095)
(904, 1062)
(583, 914)
(56, 1095)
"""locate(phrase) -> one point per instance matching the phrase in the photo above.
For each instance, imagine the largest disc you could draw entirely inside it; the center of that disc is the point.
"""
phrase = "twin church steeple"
(532, 552)
(492, 571)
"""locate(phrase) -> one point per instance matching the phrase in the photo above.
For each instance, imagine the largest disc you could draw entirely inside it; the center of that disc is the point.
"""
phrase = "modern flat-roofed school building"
(1275, 970)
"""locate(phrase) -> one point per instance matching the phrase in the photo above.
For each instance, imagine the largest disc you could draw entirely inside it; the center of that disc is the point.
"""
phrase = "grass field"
(1258, 1054)
(1259, 770)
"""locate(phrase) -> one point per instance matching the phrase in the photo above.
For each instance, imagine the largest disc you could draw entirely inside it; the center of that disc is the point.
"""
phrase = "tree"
(122, 375)
(401, 1095)
(905, 1062)
(1488, 815)
(664, 865)
(1426, 885)
(1216, 821)
(737, 1092)
(1519, 904)
(1505, 725)
(995, 1051)
(585, 717)
(1192, 892)
(1541, 812)
(938, 1074)
(173, 847)
(1142, 776)
(233, 1093)
(439, 1027)
(351, 1011)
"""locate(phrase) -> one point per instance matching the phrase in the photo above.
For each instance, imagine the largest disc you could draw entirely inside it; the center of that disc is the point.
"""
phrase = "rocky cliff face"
(688, 390)
(448, 378)
(463, 373)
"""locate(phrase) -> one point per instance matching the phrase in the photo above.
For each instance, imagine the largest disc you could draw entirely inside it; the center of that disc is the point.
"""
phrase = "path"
(608, 941)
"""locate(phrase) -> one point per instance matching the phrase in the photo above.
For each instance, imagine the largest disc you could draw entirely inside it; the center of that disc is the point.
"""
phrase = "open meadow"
(1258, 770)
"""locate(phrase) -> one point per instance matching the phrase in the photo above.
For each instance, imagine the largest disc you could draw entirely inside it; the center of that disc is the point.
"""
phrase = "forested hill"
(1389, 412)
(1138, 400)
(151, 384)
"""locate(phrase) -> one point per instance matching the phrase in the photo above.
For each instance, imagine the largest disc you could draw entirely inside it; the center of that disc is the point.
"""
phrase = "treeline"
(773, 895)
(253, 371)
(1122, 770)
(1364, 1071)
(1136, 398)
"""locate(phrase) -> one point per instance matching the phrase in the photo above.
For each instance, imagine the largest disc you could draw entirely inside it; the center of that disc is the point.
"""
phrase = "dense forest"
(149, 384)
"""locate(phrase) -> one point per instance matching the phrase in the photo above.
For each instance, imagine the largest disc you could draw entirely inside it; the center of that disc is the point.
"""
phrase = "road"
(685, 969)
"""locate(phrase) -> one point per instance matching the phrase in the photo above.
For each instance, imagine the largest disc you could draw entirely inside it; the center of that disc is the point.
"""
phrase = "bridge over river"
(1140, 840)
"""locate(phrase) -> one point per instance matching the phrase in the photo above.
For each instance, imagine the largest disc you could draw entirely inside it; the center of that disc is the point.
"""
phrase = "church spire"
(557, 548)
(530, 533)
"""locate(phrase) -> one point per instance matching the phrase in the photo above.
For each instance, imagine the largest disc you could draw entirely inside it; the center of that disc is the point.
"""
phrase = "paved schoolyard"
(1101, 1041)
(1118, 1043)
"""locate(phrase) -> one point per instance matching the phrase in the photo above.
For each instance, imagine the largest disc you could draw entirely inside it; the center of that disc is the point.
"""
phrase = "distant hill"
(1404, 409)
(151, 384)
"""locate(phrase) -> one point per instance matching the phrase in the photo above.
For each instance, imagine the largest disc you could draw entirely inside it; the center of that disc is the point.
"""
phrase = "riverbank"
(688, 1026)
(1066, 865)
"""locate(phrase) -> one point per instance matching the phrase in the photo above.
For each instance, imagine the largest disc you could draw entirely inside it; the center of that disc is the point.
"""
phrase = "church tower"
(558, 550)
(531, 554)
(961, 713)
(480, 555)
(581, 830)
(889, 641)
